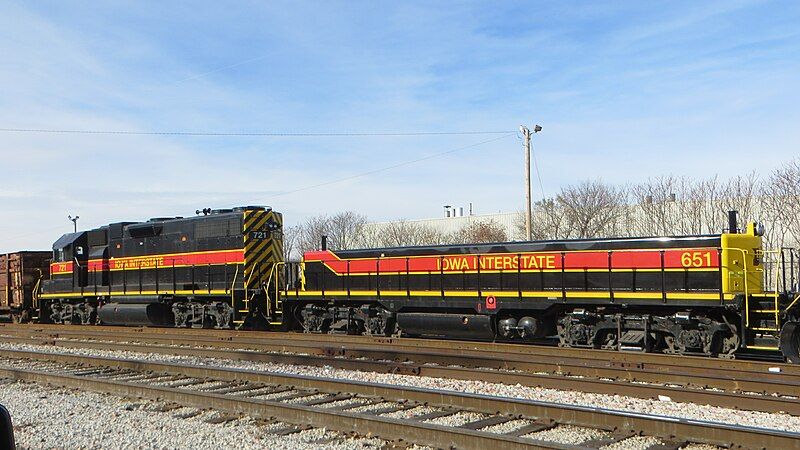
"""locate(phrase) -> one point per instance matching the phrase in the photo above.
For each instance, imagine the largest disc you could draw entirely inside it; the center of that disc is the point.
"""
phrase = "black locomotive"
(211, 270)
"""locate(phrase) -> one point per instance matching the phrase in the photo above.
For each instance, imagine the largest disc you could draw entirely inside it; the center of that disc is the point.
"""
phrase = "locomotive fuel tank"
(136, 314)
(464, 326)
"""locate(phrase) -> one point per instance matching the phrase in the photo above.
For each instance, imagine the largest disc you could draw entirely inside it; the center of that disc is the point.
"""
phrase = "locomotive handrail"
(780, 263)
(77, 272)
(796, 299)
(233, 283)
(35, 292)
(744, 277)
(247, 283)
(275, 271)
(266, 288)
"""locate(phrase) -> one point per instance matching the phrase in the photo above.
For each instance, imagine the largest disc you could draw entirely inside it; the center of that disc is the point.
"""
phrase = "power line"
(338, 180)
(394, 166)
(246, 134)
(7, 239)
(538, 173)
(219, 69)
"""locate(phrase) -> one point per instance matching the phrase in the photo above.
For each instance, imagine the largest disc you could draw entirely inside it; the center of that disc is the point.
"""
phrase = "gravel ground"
(409, 413)
(777, 421)
(633, 443)
(507, 427)
(457, 419)
(48, 418)
(568, 434)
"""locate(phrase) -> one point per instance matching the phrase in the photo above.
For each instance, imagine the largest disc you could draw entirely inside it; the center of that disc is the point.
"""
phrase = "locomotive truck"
(713, 295)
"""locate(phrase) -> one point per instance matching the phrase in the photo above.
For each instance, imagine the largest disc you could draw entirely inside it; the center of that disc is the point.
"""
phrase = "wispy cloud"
(625, 90)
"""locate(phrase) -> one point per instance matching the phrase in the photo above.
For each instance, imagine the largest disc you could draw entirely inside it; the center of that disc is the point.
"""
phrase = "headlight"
(759, 229)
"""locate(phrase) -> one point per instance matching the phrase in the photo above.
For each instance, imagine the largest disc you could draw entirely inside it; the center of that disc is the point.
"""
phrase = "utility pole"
(528, 213)
(74, 221)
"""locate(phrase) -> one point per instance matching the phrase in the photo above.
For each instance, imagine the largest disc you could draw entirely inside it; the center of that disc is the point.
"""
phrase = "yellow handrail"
(744, 276)
(796, 299)
(777, 279)
(35, 293)
(233, 284)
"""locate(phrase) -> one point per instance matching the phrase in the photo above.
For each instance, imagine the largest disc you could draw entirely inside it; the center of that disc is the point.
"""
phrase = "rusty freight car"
(20, 273)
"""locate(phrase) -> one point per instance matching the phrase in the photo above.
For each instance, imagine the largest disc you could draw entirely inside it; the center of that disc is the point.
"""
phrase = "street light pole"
(526, 133)
(74, 221)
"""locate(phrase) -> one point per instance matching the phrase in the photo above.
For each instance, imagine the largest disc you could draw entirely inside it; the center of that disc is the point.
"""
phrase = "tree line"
(350, 230)
(661, 206)
(673, 205)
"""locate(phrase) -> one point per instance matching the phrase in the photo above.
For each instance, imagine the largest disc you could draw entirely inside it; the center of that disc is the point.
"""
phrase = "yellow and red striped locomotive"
(683, 295)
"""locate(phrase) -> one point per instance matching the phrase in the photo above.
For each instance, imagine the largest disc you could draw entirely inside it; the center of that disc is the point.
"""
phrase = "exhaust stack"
(733, 226)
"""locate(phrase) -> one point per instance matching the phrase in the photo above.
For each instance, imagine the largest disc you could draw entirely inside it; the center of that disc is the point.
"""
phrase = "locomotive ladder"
(763, 309)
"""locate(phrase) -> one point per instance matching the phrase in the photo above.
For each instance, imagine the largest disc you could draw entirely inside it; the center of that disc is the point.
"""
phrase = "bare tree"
(479, 231)
(344, 229)
(740, 193)
(655, 209)
(291, 236)
(311, 232)
(782, 203)
(405, 233)
(548, 221)
(591, 207)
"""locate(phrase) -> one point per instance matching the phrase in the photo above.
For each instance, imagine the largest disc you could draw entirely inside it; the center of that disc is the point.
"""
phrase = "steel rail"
(668, 428)
(725, 399)
(737, 376)
(454, 347)
(363, 424)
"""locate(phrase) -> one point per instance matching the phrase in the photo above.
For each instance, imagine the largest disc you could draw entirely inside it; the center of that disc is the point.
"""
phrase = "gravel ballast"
(55, 418)
(778, 421)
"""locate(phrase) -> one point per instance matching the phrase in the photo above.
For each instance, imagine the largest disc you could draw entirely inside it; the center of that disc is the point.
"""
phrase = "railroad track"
(747, 385)
(367, 408)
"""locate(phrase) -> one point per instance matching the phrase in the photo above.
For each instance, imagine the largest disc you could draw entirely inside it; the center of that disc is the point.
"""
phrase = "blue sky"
(624, 90)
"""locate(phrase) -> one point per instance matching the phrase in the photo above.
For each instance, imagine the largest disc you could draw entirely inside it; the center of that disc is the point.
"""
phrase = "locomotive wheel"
(790, 342)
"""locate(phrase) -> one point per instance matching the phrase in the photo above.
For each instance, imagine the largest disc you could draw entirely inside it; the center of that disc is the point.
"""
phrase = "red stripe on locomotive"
(701, 258)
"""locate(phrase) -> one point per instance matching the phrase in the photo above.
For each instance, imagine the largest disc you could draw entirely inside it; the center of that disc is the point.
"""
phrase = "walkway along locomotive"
(712, 295)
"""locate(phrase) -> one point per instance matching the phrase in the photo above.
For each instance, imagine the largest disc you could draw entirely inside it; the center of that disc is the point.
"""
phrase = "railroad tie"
(534, 427)
(602, 442)
(291, 429)
(487, 422)
(435, 415)
(331, 399)
(392, 409)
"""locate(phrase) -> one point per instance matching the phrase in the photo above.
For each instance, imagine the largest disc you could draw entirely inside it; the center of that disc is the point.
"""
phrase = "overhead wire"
(220, 69)
(354, 176)
(6, 239)
(538, 173)
(247, 134)
(394, 166)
